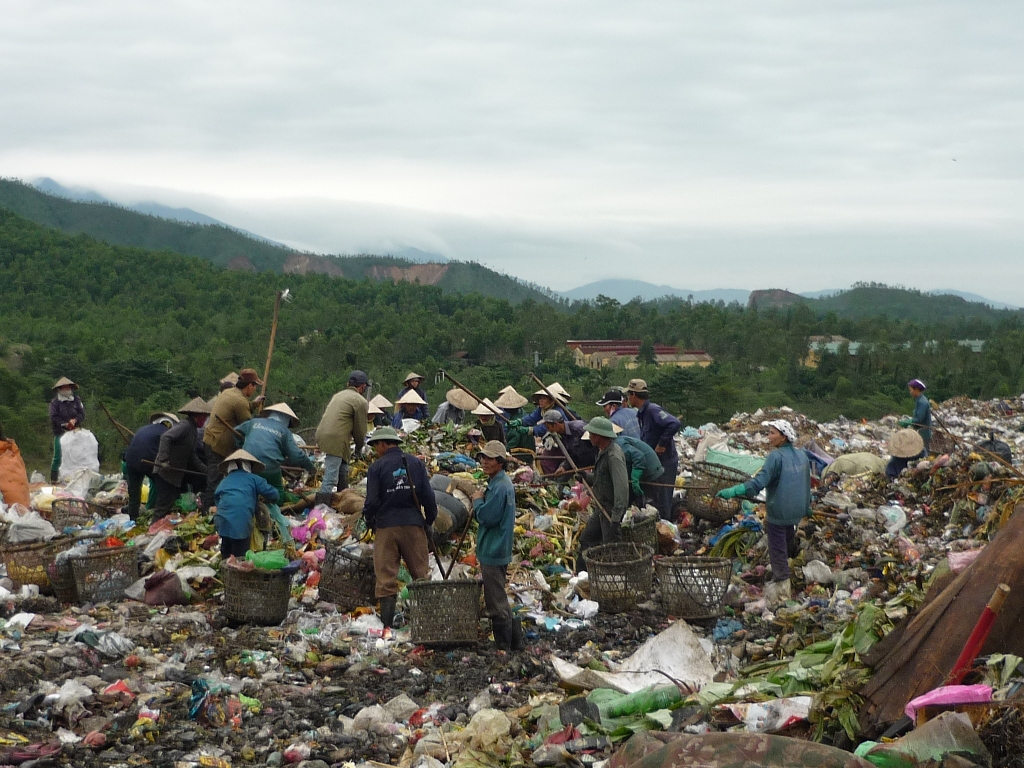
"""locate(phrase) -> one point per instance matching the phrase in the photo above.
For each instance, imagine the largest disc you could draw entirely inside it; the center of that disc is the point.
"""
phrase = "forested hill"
(228, 248)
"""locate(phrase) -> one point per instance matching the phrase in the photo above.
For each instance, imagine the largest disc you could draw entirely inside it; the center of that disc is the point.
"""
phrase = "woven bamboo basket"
(76, 512)
(256, 597)
(444, 612)
(27, 563)
(347, 580)
(620, 575)
(103, 574)
(644, 533)
(708, 480)
(693, 587)
(62, 580)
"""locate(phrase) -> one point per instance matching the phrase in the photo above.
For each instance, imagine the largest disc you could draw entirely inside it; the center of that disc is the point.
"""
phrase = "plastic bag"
(13, 478)
(79, 449)
(30, 527)
(81, 482)
(271, 560)
(164, 588)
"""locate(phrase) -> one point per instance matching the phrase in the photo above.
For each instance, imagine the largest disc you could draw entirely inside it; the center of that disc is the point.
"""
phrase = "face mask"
(65, 395)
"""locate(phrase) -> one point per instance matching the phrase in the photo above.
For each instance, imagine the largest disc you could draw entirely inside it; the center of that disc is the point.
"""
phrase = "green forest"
(145, 330)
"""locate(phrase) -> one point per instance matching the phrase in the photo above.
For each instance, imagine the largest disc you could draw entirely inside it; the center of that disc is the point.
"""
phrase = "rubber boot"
(387, 611)
(53, 477)
(502, 636)
(517, 638)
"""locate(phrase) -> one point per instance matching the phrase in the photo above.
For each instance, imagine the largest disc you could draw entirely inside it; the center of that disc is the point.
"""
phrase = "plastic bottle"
(646, 700)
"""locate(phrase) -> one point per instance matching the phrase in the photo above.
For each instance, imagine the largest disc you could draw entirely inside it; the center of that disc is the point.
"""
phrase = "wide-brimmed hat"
(373, 410)
(195, 405)
(611, 397)
(64, 381)
(599, 425)
(410, 376)
(410, 397)
(283, 408)
(784, 427)
(243, 455)
(637, 385)
(384, 433)
(460, 399)
(493, 448)
(905, 444)
(231, 378)
(381, 402)
(557, 390)
(249, 376)
(510, 399)
(483, 410)
(162, 416)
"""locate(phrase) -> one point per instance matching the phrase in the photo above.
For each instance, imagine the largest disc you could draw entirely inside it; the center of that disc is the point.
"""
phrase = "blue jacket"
(787, 476)
(270, 441)
(923, 417)
(423, 411)
(496, 514)
(144, 446)
(583, 452)
(626, 418)
(640, 454)
(659, 427)
(536, 419)
(236, 499)
(389, 499)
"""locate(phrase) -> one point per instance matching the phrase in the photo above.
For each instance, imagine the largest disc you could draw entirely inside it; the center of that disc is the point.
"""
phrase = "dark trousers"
(165, 495)
(213, 477)
(781, 543)
(660, 495)
(236, 547)
(495, 600)
(135, 478)
(598, 530)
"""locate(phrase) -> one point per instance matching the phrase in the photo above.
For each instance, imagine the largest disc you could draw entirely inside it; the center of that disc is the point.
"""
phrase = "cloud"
(695, 139)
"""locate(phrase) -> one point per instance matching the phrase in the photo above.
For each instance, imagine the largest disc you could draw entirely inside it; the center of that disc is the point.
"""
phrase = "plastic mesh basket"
(257, 596)
(444, 612)
(76, 512)
(347, 580)
(27, 563)
(105, 573)
(693, 587)
(620, 575)
(644, 533)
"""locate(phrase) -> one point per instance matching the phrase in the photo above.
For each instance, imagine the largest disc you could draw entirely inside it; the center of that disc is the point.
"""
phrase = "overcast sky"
(801, 145)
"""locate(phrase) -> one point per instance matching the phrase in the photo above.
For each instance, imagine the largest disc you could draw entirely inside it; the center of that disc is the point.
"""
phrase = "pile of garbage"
(160, 668)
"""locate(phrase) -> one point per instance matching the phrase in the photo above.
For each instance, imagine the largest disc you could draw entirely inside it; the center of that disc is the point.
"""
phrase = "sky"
(797, 145)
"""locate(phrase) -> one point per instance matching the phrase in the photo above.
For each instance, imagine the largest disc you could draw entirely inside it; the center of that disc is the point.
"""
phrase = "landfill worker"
(905, 445)
(643, 465)
(227, 382)
(453, 409)
(67, 413)
(545, 403)
(372, 412)
(238, 497)
(516, 436)
(488, 423)
(658, 429)
(140, 458)
(270, 440)
(581, 451)
(786, 478)
(344, 424)
(381, 418)
(610, 482)
(231, 408)
(612, 402)
(922, 418)
(414, 383)
(410, 406)
(510, 402)
(495, 512)
(177, 465)
(400, 508)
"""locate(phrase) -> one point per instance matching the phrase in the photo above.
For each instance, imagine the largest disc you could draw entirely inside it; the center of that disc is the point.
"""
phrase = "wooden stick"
(121, 428)
(962, 444)
(468, 391)
(173, 469)
(270, 349)
(234, 431)
(458, 547)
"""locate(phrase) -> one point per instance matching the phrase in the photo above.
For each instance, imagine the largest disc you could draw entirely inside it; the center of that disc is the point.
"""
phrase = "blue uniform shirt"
(236, 498)
(389, 497)
(626, 418)
(659, 427)
(496, 514)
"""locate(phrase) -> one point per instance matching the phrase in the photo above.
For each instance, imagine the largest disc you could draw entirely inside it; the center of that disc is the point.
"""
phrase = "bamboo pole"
(121, 428)
(468, 391)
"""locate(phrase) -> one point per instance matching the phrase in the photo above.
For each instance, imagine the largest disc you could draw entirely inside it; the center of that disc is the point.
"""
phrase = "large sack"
(164, 588)
(13, 478)
(78, 450)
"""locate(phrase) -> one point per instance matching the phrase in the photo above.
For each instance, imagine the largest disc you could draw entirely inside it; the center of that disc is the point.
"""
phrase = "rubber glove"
(634, 481)
(515, 423)
(906, 421)
(729, 493)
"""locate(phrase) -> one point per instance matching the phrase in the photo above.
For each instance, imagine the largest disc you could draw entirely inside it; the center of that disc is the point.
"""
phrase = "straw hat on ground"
(283, 408)
(256, 465)
(905, 444)
(510, 399)
(460, 399)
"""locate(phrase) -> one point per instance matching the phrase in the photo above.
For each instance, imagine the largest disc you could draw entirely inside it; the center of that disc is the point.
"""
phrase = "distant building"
(830, 345)
(610, 353)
